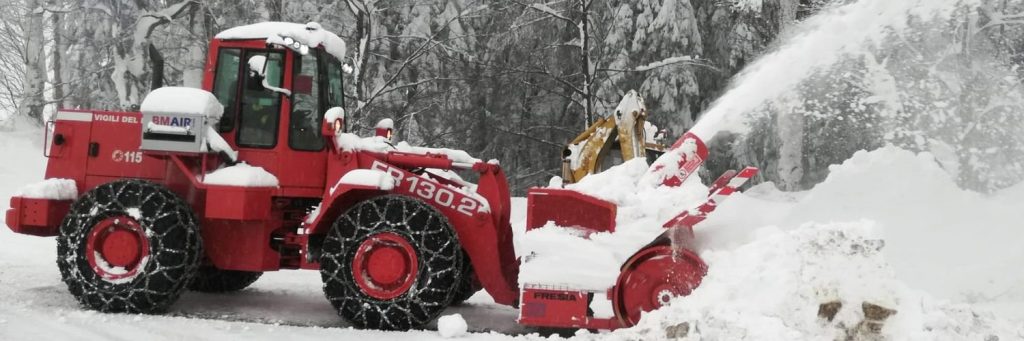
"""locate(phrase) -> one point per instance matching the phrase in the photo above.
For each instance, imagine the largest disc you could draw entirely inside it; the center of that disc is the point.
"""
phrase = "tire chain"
(439, 254)
(175, 247)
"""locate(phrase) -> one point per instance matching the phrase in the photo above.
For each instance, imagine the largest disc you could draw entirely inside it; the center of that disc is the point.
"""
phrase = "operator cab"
(276, 80)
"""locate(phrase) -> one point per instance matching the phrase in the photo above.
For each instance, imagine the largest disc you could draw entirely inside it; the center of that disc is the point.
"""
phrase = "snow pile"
(907, 225)
(450, 326)
(242, 175)
(182, 100)
(54, 189)
(774, 288)
(565, 256)
(950, 242)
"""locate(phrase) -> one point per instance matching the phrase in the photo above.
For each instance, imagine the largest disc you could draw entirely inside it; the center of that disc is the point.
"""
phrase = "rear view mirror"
(258, 65)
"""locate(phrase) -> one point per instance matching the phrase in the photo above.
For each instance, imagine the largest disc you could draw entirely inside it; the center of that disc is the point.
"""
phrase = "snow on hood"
(310, 34)
(348, 141)
(243, 175)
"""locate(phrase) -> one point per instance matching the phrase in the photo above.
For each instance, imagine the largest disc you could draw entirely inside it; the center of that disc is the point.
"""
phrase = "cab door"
(261, 124)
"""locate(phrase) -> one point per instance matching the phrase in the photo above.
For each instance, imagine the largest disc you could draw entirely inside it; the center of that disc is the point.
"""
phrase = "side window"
(335, 96)
(225, 85)
(259, 108)
(304, 123)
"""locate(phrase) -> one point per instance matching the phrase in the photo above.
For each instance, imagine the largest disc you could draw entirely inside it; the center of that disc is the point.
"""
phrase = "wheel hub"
(652, 278)
(385, 265)
(117, 248)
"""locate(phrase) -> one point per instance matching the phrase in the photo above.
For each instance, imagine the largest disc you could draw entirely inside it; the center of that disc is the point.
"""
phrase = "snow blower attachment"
(666, 268)
(395, 233)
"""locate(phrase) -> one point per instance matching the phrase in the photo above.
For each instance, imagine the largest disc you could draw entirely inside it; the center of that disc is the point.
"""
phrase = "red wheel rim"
(117, 248)
(385, 265)
(652, 277)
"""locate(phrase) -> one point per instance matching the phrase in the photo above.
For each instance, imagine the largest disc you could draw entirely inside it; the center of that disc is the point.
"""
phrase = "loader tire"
(391, 263)
(468, 286)
(128, 246)
(213, 280)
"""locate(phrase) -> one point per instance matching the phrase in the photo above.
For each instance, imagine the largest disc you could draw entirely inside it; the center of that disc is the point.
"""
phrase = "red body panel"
(568, 208)
(563, 308)
(39, 217)
(238, 203)
(486, 239)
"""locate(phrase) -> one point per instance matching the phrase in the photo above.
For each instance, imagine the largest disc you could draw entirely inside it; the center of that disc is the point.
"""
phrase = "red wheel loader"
(395, 242)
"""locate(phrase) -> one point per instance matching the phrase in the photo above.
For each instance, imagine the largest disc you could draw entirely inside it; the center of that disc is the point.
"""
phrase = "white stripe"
(74, 116)
(737, 181)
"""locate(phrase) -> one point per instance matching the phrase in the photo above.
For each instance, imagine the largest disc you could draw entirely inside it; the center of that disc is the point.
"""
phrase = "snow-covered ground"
(888, 227)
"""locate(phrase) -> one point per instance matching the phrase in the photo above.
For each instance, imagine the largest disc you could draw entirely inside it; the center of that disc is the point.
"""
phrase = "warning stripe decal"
(74, 116)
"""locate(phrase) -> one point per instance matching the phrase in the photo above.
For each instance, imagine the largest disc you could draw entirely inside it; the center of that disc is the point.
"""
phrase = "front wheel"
(391, 263)
(128, 246)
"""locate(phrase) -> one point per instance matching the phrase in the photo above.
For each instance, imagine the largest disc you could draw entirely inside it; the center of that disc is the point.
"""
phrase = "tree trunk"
(60, 47)
(588, 77)
(32, 102)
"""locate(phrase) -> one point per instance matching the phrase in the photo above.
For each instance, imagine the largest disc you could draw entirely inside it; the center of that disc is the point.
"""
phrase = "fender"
(480, 222)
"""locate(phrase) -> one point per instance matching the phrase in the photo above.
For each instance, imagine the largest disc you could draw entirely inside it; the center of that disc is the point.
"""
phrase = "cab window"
(225, 85)
(304, 123)
(259, 108)
(335, 96)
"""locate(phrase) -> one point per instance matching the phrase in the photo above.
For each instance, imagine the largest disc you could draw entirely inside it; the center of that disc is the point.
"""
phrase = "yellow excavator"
(612, 140)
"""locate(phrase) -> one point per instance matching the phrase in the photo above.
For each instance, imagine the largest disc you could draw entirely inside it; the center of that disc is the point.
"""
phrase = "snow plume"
(926, 75)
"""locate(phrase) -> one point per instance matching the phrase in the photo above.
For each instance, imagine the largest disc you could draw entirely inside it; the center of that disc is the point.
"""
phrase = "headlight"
(338, 126)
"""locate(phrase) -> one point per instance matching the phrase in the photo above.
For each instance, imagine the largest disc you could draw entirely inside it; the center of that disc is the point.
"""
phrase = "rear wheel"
(212, 279)
(391, 263)
(128, 246)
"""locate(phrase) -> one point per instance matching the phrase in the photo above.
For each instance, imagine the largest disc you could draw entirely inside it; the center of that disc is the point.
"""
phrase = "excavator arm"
(611, 140)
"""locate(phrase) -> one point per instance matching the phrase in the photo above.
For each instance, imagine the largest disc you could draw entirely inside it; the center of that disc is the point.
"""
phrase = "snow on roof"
(310, 34)
(182, 100)
(386, 123)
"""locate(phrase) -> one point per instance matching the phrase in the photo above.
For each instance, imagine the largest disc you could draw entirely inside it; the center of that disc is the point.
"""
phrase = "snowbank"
(54, 189)
(774, 288)
(887, 227)
(242, 175)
